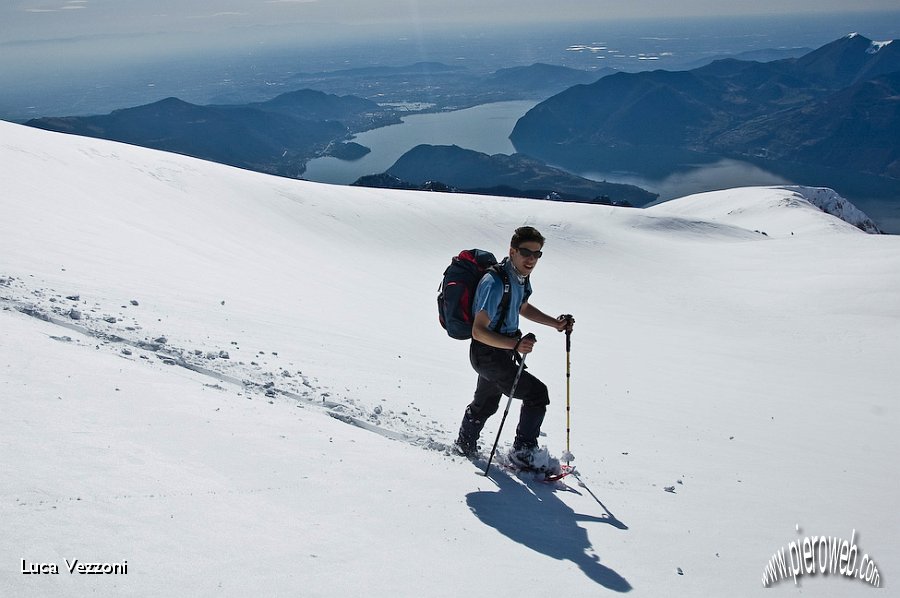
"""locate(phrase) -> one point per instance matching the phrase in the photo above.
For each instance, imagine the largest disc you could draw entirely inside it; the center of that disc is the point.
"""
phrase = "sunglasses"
(529, 253)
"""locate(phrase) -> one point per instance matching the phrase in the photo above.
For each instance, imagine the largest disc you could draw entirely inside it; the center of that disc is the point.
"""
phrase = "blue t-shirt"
(489, 293)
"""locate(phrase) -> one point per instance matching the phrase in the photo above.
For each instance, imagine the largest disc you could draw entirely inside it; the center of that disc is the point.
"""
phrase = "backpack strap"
(500, 271)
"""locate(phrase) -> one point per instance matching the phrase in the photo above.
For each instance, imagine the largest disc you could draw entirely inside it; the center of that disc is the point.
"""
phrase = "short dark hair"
(526, 234)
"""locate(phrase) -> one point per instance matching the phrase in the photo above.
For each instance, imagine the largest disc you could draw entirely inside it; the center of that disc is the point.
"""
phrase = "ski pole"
(568, 389)
(512, 393)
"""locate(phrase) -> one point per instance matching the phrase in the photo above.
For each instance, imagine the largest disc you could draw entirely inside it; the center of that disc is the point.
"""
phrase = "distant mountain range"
(540, 78)
(835, 106)
(858, 127)
(764, 55)
(440, 86)
(452, 168)
(277, 136)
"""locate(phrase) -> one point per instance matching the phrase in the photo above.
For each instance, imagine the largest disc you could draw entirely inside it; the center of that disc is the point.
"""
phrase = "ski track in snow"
(111, 329)
(117, 330)
(99, 328)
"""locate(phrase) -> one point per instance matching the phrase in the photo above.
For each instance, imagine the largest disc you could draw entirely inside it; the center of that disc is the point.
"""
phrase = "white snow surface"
(255, 397)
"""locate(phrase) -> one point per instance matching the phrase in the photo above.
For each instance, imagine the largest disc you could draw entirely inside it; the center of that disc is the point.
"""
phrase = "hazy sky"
(80, 53)
(58, 42)
(32, 20)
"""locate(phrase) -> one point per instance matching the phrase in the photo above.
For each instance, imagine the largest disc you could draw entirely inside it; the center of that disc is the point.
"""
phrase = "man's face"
(523, 263)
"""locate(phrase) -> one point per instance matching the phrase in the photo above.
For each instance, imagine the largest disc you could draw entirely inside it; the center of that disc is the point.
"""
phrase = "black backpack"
(457, 291)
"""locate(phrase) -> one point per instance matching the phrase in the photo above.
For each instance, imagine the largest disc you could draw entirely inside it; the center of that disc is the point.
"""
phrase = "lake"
(484, 128)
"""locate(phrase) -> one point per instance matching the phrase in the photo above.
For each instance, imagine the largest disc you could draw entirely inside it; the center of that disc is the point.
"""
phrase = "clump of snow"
(541, 459)
(544, 461)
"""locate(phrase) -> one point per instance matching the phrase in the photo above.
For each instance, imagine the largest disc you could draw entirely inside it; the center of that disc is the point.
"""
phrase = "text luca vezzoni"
(75, 567)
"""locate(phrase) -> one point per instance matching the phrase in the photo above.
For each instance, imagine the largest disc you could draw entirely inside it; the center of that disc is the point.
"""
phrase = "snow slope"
(800, 210)
(236, 383)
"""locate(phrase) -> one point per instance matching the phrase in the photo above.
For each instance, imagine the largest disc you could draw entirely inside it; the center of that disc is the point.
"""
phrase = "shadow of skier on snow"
(533, 516)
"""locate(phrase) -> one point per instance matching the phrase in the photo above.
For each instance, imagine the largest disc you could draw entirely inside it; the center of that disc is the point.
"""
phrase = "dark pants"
(496, 372)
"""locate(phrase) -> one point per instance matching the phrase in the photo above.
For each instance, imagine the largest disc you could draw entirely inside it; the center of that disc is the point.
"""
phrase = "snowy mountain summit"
(211, 384)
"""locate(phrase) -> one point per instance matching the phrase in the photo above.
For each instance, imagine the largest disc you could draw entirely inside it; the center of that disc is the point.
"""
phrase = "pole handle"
(568, 318)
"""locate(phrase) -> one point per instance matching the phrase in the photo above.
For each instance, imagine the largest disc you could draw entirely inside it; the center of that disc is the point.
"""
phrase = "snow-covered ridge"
(830, 202)
(775, 211)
